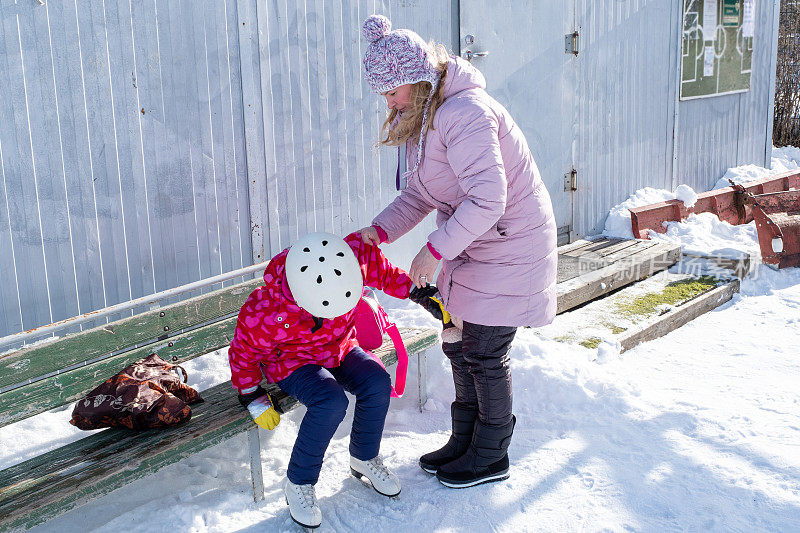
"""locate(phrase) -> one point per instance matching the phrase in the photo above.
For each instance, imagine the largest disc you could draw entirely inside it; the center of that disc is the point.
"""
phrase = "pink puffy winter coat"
(496, 231)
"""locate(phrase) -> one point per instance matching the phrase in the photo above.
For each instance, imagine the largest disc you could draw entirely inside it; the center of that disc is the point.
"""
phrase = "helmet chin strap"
(317, 323)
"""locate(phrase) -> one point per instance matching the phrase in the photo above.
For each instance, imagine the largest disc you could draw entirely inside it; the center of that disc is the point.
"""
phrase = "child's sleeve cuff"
(381, 233)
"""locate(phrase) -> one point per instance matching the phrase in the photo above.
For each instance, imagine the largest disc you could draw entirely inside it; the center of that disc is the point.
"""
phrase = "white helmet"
(324, 275)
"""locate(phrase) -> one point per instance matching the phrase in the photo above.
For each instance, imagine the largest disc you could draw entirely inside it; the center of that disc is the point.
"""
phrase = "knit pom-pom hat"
(395, 58)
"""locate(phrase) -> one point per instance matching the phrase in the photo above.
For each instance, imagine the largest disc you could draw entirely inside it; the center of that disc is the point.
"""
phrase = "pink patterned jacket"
(273, 334)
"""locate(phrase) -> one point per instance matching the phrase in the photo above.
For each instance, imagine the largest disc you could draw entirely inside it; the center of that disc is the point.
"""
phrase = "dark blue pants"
(321, 390)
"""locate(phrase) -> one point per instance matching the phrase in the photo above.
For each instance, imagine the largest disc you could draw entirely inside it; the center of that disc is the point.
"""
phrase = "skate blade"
(365, 480)
(304, 526)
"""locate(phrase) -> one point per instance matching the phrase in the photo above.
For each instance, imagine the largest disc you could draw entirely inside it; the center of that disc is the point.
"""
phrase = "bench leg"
(422, 377)
(256, 474)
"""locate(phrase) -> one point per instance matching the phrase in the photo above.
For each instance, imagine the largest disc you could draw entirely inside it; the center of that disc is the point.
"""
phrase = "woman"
(496, 235)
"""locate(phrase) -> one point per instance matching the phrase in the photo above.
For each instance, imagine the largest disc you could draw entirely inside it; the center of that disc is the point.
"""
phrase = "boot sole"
(429, 469)
(500, 476)
(358, 475)
(299, 523)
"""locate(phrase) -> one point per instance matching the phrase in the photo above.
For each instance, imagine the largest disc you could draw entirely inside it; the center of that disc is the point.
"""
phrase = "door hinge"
(571, 180)
(571, 43)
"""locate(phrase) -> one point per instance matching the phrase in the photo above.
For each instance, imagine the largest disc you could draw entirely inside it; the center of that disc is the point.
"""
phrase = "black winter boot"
(485, 460)
(463, 428)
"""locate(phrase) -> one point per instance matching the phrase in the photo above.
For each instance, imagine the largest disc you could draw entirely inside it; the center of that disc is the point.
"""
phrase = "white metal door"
(528, 71)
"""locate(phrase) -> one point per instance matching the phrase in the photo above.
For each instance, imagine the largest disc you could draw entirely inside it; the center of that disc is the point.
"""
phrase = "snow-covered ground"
(698, 430)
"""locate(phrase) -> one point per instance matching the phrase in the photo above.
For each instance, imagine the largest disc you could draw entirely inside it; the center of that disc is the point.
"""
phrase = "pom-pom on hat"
(394, 58)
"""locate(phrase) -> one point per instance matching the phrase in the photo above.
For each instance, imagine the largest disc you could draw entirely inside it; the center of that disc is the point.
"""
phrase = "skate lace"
(377, 467)
(308, 497)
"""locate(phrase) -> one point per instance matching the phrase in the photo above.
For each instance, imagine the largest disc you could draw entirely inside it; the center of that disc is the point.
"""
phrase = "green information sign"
(717, 47)
(730, 13)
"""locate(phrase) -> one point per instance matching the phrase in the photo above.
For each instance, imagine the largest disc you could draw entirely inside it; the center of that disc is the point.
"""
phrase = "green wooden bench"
(45, 376)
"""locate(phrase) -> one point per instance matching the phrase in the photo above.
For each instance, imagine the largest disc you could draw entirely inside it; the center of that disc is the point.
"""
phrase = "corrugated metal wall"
(121, 153)
(626, 97)
(731, 130)
(147, 144)
(624, 101)
(312, 121)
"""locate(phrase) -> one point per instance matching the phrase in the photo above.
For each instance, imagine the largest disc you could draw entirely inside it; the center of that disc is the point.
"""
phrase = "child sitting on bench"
(298, 331)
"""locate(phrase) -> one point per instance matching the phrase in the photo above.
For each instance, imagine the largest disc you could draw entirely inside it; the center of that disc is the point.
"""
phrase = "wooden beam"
(579, 290)
(678, 316)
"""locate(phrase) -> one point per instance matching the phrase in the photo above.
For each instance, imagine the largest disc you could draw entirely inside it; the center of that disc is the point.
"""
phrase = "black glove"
(247, 399)
(426, 297)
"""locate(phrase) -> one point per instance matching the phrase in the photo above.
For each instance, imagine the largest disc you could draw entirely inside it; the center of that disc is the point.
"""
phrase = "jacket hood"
(461, 75)
(275, 278)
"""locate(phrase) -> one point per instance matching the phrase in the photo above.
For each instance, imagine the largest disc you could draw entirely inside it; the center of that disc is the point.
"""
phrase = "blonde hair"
(410, 124)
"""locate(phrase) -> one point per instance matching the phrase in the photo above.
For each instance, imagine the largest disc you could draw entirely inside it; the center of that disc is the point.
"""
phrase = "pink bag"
(371, 323)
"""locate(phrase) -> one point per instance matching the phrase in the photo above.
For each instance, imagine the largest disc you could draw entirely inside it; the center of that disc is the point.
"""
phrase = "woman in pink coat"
(495, 236)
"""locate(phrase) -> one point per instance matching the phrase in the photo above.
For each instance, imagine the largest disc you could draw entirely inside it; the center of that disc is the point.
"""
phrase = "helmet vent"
(340, 254)
(306, 249)
(324, 243)
(324, 302)
(321, 259)
(338, 272)
(303, 268)
(319, 279)
(347, 294)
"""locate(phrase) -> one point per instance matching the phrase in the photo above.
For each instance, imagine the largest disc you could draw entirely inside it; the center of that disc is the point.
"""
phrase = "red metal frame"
(726, 203)
(777, 217)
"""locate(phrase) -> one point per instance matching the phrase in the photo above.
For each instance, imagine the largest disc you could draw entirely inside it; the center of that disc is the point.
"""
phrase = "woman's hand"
(423, 267)
(370, 235)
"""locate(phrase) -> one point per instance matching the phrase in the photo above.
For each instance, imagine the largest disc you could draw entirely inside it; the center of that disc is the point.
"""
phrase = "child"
(298, 331)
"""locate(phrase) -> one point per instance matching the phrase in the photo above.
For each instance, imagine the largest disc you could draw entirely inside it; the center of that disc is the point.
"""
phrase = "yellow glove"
(264, 413)
(259, 405)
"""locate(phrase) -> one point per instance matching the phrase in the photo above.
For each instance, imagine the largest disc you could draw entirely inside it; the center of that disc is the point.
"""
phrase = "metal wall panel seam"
(254, 153)
(102, 131)
(45, 149)
(190, 224)
(172, 228)
(141, 145)
(211, 134)
(234, 80)
(678, 45)
(773, 65)
(116, 155)
(264, 48)
(11, 242)
(327, 180)
(33, 165)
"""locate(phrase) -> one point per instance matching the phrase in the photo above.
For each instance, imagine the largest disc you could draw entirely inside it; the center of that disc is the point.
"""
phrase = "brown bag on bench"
(146, 394)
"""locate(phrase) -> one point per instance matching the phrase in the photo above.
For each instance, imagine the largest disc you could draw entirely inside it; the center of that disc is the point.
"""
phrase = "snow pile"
(686, 194)
(618, 223)
(705, 233)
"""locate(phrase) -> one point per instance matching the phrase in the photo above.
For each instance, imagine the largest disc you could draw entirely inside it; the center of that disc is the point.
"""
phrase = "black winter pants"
(482, 371)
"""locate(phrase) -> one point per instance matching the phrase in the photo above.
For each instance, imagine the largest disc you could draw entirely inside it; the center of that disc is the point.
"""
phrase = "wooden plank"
(36, 361)
(597, 247)
(55, 482)
(675, 318)
(43, 395)
(740, 266)
(576, 291)
(577, 245)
